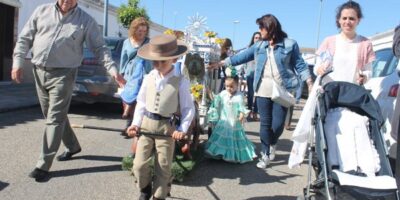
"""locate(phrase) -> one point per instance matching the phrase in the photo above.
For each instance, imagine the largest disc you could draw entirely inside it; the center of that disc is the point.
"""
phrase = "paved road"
(96, 172)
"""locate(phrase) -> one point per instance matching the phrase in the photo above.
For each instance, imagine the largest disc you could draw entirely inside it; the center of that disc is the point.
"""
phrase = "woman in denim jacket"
(279, 58)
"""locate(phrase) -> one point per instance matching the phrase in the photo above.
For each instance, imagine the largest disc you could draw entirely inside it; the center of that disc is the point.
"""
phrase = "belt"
(48, 68)
(156, 116)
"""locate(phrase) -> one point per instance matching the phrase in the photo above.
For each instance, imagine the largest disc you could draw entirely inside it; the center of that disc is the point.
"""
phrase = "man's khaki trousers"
(54, 88)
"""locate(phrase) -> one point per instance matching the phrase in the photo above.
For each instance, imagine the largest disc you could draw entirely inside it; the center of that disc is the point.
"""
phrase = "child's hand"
(132, 131)
(241, 118)
(178, 135)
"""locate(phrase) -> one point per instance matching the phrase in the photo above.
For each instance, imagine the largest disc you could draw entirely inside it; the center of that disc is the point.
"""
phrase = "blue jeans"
(250, 93)
(272, 119)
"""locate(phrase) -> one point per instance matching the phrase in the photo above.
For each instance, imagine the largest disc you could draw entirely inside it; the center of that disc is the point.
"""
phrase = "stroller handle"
(323, 76)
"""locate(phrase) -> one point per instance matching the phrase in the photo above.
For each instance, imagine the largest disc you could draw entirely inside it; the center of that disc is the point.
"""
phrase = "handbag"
(279, 93)
(281, 96)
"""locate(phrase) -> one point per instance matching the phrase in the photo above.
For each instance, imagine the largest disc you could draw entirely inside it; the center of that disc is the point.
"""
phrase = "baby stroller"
(334, 180)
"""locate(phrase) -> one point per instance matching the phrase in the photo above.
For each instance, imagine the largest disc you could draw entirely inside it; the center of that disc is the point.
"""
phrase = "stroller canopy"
(353, 97)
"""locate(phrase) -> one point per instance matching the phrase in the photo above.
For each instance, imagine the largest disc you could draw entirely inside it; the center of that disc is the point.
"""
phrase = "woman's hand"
(216, 65)
(120, 80)
(361, 79)
(323, 68)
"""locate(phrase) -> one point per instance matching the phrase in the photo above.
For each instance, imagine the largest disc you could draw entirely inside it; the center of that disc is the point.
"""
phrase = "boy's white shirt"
(185, 100)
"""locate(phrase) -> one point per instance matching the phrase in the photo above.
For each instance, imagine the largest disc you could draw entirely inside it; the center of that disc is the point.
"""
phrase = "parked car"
(383, 85)
(93, 83)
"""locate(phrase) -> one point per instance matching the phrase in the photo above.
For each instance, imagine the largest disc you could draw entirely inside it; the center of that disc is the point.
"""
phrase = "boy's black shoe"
(67, 155)
(39, 175)
(145, 193)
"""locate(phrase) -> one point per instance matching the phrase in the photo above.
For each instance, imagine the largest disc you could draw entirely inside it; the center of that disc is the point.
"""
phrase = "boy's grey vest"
(166, 101)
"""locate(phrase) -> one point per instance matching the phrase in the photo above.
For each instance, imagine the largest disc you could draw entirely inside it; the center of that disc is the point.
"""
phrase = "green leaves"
(127, 13)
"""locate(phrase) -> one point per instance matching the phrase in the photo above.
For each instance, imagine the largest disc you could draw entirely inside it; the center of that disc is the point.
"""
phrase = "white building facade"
(15, 13)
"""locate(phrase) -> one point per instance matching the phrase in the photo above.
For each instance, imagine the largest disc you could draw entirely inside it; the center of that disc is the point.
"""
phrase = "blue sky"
(299, 18)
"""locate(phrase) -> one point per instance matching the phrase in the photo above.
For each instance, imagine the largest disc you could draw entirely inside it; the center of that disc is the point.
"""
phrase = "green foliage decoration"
(127, 13)
(181, 166)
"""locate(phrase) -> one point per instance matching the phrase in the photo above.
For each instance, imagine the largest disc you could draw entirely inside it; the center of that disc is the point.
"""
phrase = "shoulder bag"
(279, 93)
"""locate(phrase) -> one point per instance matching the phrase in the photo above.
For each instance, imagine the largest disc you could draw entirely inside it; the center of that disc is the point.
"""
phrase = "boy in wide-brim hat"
(163, 93)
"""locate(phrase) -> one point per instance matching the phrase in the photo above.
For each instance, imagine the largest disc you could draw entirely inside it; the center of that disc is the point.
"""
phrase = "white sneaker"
(272, 149)
(263, 161)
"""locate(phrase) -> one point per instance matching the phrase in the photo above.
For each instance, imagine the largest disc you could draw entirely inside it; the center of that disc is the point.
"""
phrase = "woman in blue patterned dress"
(133, 68)
(138, 36)
(228, 140)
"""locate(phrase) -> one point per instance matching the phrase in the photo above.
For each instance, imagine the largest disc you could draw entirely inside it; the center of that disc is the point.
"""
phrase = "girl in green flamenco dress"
(227, 112)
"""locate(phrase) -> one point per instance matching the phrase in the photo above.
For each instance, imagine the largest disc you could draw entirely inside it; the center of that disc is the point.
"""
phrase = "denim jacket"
(291, 65)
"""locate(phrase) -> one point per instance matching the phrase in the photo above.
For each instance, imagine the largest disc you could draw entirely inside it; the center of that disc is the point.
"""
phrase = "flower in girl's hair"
(197, 91)
(210, 34)
(230, 71)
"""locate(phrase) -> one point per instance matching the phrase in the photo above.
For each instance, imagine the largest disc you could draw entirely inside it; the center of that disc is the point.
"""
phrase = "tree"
(127, 13)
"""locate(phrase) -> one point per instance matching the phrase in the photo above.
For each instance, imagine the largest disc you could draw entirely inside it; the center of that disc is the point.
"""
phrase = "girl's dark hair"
(234, 78)
(274, 28)
(225, 48)
(348, 5)
(252, 38)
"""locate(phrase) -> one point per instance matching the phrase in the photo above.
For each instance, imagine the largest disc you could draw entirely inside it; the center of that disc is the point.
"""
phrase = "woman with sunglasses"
(277, 58)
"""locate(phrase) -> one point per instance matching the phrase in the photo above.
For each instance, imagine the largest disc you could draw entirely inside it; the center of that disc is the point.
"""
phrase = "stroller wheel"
(311, 197)
(300, 197)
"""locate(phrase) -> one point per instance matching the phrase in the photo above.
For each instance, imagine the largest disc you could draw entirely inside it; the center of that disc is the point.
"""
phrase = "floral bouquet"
(177, 34)
(169, 32)
(210, 34)
(197, 91)
(219, 41)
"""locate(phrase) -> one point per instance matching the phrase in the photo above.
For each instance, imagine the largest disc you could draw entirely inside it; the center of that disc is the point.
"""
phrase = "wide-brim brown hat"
(163, 47)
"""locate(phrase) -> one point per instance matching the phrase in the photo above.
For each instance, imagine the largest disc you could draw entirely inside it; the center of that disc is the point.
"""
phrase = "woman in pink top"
(350, 56)
(348, 53)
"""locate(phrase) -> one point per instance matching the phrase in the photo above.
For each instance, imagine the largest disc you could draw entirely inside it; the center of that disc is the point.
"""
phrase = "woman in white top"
(349, 54)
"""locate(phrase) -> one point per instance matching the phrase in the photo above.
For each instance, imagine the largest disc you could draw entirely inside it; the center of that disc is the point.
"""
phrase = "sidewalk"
(17, 96)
